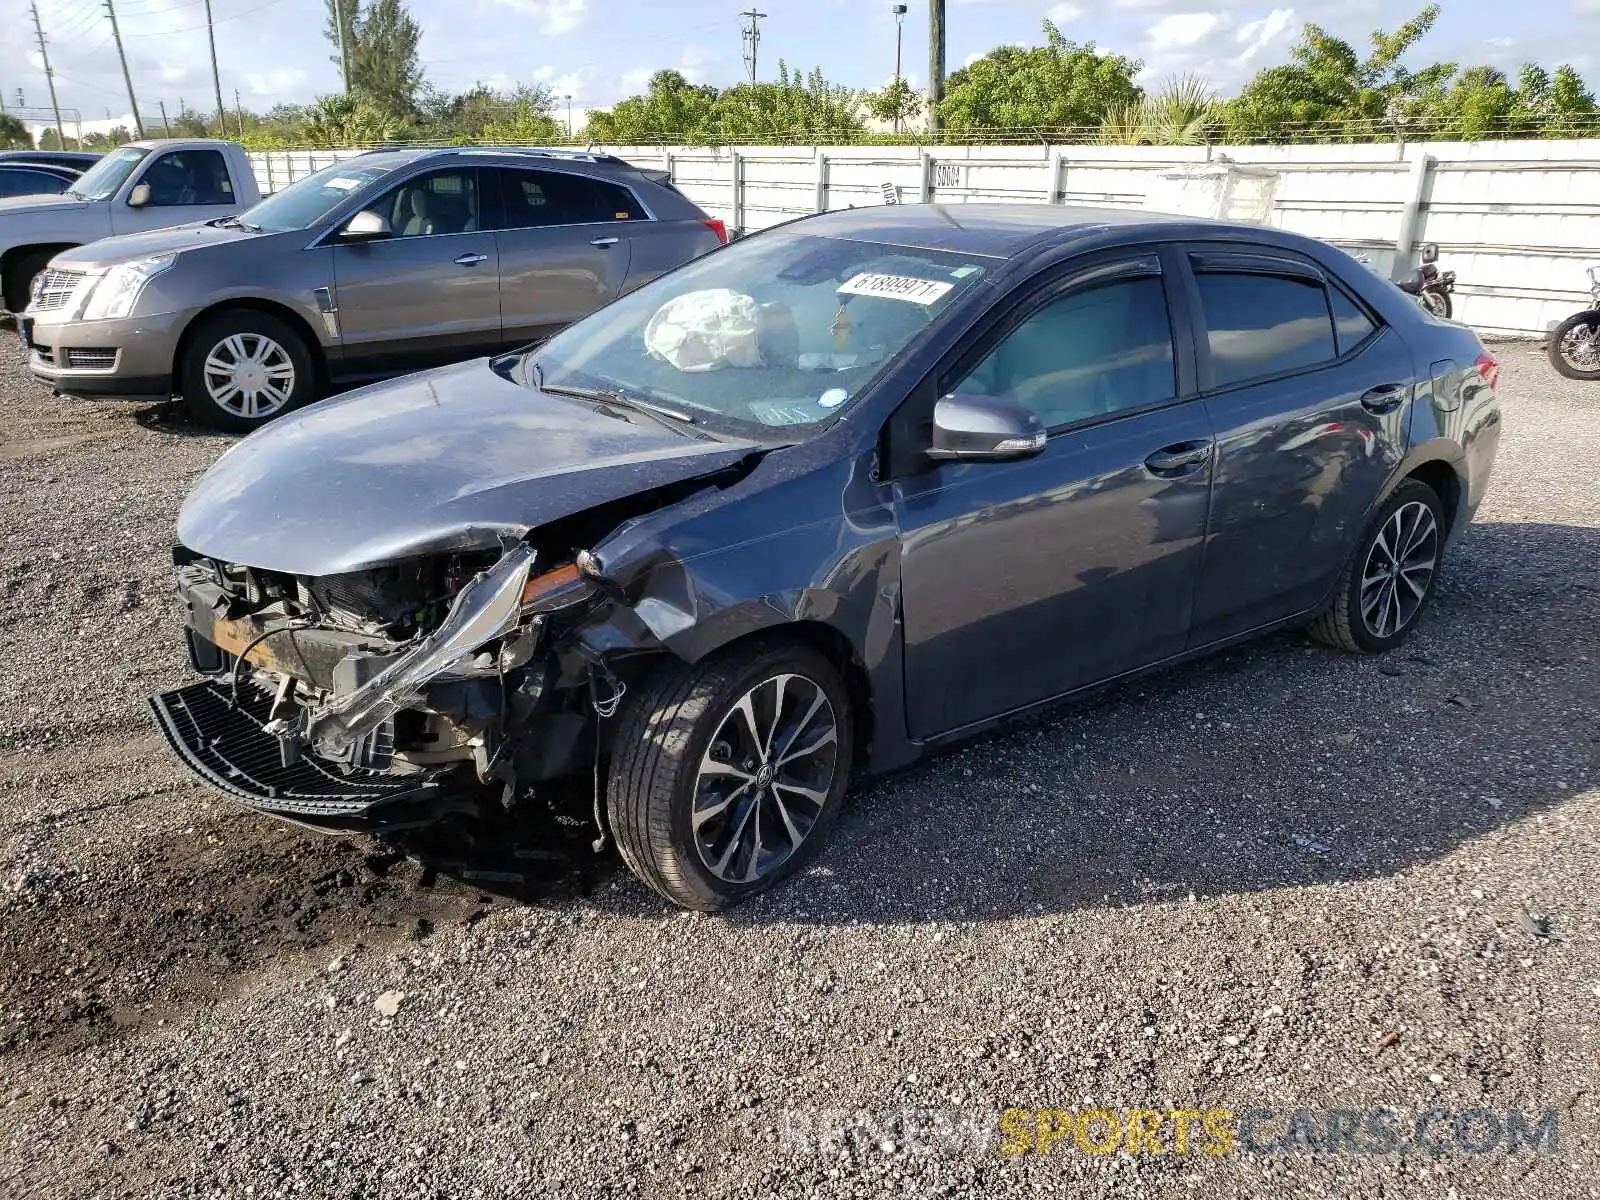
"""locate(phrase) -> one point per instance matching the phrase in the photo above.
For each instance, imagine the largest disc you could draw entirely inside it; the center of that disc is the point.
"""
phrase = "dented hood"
(451, 459)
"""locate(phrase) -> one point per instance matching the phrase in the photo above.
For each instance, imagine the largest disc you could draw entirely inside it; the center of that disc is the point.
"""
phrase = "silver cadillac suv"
(383, 263)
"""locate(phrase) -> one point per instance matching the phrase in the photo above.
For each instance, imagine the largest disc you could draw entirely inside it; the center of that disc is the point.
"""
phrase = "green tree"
(14, 134)
(340, 122)
(796, 109)
(1060, 85)
(899, 103)
(524, 119)
(1331, 91)
(381, 39)
(1182, 113)
(671, 111)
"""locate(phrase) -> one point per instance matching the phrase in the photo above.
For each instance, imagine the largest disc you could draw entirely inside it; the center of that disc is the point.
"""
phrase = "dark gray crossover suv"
(808, 507)
(382, 263)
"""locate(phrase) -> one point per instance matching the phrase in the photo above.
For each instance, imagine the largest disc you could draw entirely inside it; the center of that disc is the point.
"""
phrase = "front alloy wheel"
(765, 778)
(727, 773)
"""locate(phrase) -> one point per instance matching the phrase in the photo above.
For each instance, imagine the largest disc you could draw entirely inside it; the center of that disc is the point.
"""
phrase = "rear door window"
(539, 198)
(1259, 323)
(1351, 325)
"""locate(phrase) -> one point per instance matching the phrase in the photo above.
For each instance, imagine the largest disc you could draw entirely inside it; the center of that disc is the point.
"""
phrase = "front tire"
(1390, 578)
(19, 280)
(1575, 346)
(244, 368)
(1436, 302)
(727, 774)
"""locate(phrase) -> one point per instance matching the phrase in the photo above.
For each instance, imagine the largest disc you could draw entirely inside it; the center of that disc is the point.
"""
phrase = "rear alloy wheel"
(1389, 579)
(1435, 302)
(727, 774)
(1575, 346)
(242, 369)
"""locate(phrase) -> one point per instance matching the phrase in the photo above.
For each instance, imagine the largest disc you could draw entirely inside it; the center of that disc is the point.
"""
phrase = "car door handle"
(470, 260)
(1384, 398)
(1184, 458)
(606, 241)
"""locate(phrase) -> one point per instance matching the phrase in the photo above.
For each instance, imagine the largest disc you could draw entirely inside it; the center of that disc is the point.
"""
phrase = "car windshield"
(777, 333)
(101, 181)
(306, 202)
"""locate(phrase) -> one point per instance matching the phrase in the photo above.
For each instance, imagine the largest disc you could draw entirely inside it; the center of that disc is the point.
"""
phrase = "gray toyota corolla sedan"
(810, 506)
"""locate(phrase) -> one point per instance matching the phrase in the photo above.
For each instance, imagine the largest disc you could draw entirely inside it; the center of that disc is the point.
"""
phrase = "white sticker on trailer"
(896, 287)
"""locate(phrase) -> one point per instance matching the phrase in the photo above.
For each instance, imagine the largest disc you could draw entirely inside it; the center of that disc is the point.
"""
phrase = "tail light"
(1488, 366)
(720, 228)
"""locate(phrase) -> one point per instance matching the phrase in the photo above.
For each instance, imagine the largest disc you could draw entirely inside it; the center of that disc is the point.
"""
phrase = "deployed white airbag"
(706, 330)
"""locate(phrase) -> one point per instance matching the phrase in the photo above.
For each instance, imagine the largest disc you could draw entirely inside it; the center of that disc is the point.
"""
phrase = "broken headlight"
(488, 607)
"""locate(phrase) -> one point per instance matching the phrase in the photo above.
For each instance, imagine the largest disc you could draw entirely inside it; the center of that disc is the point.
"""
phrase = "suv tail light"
(1488, 366)
(720, 228)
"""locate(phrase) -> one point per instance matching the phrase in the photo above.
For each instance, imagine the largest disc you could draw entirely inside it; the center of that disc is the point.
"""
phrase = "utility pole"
(752, 40)
(344, 48)
(569, 117)
(216, 76)
(165, 124)
(116, 36)
(935, 62)
(899, 11)
(50, 78)
(238, 111)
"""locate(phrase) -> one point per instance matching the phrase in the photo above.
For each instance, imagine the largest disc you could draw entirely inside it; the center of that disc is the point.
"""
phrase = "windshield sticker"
(343, 184)
(832, 398)
(897, 287)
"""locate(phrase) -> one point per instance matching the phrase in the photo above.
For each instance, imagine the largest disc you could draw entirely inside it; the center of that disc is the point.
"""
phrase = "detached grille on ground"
(54, 288)
(228, 748)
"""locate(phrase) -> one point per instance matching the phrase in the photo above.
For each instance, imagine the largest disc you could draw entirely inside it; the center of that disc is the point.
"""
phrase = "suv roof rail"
(595, 156)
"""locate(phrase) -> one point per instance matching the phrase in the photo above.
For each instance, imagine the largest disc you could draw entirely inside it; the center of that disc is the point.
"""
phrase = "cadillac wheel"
(241, 369)
(726, 775)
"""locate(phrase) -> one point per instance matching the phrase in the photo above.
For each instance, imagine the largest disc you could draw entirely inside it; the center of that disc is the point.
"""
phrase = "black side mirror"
(976, 428)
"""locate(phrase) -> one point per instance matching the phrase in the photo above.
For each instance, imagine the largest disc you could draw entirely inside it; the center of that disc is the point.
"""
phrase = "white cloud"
(280, 81)
(1256, 36)
(1064, 14)
(551, 16)
(1182, 29)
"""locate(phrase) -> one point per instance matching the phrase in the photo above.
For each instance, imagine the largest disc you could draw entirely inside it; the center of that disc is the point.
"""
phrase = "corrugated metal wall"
(1517, 221)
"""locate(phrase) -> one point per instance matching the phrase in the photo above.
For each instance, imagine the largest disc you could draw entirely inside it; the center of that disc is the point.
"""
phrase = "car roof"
(400, 157)
(1001, 230)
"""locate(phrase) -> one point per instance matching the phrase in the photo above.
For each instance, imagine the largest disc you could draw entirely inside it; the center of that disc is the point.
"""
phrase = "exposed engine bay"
(324, 698)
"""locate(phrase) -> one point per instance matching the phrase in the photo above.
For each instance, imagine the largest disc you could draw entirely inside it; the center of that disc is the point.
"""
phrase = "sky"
(599, 51)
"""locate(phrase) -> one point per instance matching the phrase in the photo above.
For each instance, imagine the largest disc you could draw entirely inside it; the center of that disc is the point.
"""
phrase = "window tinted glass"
(1262, 324)
(19, 182)
(437, 203)
(187, 177)
(1096, 351)
(1350, 325)
(535, 198)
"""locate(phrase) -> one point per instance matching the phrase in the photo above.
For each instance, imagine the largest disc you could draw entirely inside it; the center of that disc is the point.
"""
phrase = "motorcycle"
(1429, 286)
(1575, 343)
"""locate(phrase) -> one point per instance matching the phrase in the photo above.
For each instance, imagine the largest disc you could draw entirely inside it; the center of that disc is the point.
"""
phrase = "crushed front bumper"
(228, 747)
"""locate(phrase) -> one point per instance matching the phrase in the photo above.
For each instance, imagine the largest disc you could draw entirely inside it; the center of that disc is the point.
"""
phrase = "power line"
(219, 21)
(751, 37)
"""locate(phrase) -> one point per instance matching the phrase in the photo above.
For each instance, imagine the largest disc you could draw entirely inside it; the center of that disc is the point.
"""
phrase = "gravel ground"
(1284, 878)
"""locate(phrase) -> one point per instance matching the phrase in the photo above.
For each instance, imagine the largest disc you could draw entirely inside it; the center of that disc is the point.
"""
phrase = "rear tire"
(19, 280)
(1390, 578)
(244, 368)
(1436, 302)
(702, 813)
(1558, 351)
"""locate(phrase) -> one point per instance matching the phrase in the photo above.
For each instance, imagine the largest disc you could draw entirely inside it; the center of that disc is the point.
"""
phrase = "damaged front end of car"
(387, 698)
